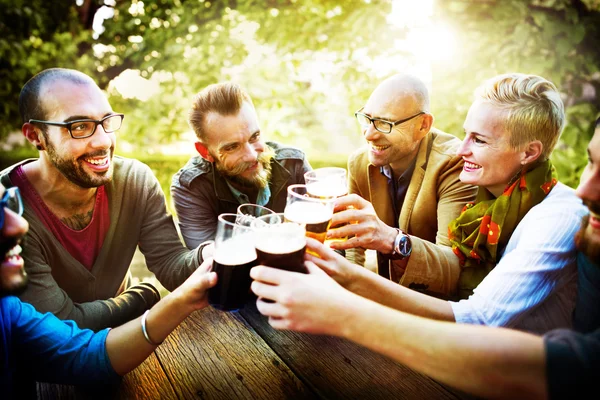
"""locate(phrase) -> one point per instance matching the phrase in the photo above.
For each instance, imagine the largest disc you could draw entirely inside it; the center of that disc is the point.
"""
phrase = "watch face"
(404, 246)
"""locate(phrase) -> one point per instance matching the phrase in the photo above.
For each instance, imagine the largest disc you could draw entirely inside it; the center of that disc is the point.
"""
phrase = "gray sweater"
(62, 285)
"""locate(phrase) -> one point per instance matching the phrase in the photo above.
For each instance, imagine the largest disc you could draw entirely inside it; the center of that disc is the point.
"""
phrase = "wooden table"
(220, 355)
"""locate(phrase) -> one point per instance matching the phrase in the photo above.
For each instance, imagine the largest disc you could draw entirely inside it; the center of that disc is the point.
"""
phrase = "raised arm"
(159, 241)
(196, 216)
(483, 361)
(126, 345)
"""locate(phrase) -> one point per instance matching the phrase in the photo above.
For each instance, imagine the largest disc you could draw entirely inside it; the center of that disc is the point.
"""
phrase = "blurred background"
(307, 64)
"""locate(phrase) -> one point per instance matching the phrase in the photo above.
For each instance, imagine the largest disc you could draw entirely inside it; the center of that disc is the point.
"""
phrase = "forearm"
(383, 291)
(95, 315)
(126, 345)
(488, 362)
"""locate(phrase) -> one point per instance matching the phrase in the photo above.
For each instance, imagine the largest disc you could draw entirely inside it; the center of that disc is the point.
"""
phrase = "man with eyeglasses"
(404, 182)
(40, 347)
(88, 209)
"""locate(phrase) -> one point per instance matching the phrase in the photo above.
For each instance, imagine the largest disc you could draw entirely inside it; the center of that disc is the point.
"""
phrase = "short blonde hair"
(223, 98)
(534, 109)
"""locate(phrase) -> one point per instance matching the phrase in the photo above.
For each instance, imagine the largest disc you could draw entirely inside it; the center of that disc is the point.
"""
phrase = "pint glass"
(279, 244)
(311, 212)
(234, 255)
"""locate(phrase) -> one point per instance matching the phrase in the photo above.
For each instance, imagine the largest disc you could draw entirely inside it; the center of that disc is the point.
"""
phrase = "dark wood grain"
(220, 355)
(216, 355)
(339, 369)
(148, 381)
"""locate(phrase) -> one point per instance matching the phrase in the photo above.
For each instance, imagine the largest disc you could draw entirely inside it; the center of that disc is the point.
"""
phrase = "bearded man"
(235, 165)
(89, 210)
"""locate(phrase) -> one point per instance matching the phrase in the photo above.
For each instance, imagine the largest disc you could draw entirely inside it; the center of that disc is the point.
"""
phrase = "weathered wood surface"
(148, 381)
(220, 355)
(216, 355)
(339, 369)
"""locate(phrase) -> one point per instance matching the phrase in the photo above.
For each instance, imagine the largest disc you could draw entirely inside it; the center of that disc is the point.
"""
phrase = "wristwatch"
(402, 246)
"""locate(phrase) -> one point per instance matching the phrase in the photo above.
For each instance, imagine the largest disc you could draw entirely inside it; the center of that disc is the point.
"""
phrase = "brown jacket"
(435, 197)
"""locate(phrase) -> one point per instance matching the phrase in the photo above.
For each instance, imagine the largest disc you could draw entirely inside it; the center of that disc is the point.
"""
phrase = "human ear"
(203, 151)
(425, 127)
(33, 135)
(532, 152)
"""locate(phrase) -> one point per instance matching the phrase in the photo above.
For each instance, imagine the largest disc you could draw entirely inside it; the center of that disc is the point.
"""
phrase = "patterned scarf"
(484, 227)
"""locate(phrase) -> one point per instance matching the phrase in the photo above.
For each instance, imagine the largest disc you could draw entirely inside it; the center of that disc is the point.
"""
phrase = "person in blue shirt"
(481, 360)
(52, 350)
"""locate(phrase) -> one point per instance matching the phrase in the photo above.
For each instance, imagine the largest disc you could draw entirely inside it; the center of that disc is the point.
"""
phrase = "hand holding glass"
(279, 244)
(234, 255)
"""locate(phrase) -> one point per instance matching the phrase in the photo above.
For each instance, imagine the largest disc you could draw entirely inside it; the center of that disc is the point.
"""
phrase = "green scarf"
(485, 226)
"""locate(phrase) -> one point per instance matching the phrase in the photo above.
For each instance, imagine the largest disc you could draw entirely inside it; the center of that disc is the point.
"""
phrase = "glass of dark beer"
(279, 244)
(248, 212)
(234, 255)
(313, 213)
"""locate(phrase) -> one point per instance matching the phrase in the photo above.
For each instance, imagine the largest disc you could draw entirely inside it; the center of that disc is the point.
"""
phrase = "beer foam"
(308, 212)
(236, 251)
(327, 188)
(283, 238)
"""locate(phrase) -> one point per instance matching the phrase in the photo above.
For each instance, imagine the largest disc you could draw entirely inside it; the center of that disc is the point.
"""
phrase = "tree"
(308, 64)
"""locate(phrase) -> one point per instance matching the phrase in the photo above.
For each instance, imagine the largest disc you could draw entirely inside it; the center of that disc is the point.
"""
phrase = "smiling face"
(84, 162)
(234, 144)
(13, 278)
(588, 238)
(399, 147)
(490, 162)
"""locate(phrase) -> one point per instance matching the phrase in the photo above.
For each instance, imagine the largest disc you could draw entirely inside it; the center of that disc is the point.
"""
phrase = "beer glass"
(248, 212)
(279, 244)
(311, 212)
(327, 183)
(234, 255)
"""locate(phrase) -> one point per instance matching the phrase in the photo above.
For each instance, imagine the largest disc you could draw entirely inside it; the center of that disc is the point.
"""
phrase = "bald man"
(408, 173)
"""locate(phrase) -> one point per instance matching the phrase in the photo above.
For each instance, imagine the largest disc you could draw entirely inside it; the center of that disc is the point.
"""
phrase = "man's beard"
(587, 242)
(74, 172)
(260, 180)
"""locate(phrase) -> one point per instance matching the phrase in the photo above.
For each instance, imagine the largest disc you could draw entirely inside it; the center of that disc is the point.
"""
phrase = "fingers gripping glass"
(381, 125)
(84, 128)
(11, 200)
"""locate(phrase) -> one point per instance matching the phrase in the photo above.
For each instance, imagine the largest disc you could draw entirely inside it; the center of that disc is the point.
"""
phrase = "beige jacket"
(435, 197)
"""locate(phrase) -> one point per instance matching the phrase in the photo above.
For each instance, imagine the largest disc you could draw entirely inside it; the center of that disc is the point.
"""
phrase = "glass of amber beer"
(234, 255)
(313, 213)
(327, 183)
(279, 244)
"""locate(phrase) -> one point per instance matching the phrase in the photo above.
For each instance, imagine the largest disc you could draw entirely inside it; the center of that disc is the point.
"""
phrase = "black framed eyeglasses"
(381, 125)
(84, 128)
(11, 199)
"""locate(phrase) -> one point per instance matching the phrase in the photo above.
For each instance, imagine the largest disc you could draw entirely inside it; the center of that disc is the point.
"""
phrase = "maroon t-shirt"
(83, 245)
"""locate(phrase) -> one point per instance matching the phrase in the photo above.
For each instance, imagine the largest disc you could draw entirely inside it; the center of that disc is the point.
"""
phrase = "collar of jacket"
(378, 184)
(279, 178)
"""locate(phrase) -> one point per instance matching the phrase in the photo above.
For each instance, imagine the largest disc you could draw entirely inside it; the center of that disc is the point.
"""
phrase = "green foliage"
(35, 35)
(308, 64)
(556, 39)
